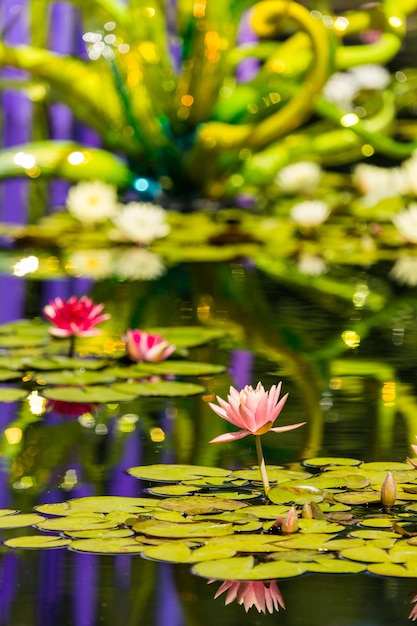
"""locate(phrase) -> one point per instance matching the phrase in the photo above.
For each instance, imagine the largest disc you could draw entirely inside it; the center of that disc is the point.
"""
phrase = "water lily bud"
(307, 512)
(388, 491)
(290, 521)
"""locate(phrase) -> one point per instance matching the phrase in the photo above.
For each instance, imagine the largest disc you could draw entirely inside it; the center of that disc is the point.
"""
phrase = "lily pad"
(64, 363)
(75, 522)
(277, 495)
(78, 378)
(35, 542)
(186, 368)
(366, 554)
(325, 461)
(188, 336)
(20, 520)
(162, 388)
(195, 505)
(183, 531)
(244, 569)
(107, 545)
(94, 394)
(173, 473)
(335, 566)
(12, 394)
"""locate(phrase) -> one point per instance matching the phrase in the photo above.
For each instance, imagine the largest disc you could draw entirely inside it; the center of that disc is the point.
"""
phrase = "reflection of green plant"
(173, 105)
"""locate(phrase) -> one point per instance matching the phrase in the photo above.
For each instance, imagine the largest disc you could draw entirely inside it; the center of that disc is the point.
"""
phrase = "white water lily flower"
(139, 264)
(141, 222)
(404, 270)
(311, 264)
(341, 89)
(92, 202)
(371, 76)
(406, 222)
(97, 264)
(377, 183)
(299, 177)
(309, 213)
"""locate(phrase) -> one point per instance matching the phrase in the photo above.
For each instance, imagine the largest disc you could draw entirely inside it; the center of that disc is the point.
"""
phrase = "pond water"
(357, 397)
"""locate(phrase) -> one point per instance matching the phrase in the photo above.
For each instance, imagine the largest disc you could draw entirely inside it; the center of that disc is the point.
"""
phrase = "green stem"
(261, 463)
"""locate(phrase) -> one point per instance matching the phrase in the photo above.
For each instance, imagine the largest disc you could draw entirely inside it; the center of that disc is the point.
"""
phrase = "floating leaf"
(334, 566)
(277, 495)
(111, 533)
(179, 552)
(265, 511)
(373, 534)
(226, 569)
(75, 522)
(95, 394)
(64, 363)
(20, 520)
(9, 375)
(392, 570)
(80, 379)
(107, 545)
(188, 336)
(308, 541)
(365, 554)
(173, 490)
(385, 466)
(162, 388)
(35, 542)
(181, 531)
(107, 504)
(377, 522)
(12, 394)
(185, 368)
(172, 473)
(353, 498)
(324, 461)
(319, 526)
(194, 505)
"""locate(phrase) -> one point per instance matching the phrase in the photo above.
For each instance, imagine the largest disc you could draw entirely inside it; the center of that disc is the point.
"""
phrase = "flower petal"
(227, 437)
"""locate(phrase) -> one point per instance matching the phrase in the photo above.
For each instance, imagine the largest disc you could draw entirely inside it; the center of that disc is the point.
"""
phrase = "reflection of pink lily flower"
(263, 595)
(252, 410)
(413, 614)
(143, 346)
(75, 317)
(71, 409)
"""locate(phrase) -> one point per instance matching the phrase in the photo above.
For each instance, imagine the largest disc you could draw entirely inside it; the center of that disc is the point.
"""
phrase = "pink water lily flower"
(263, 595)
(143, 346)
(75, 317)
(254, 411)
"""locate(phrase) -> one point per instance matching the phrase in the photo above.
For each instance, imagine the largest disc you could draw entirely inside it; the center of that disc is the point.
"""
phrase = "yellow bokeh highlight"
(351, 338)
(13, 435)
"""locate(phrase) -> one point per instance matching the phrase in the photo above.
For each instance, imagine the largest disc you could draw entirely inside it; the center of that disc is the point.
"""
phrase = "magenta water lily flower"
(75, 317)
(263, 595)
(253, 411)
(143, 346)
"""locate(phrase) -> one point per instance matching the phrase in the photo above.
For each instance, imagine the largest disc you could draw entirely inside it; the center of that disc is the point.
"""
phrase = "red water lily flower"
(75, 317)
(143, 346)
(252, 410)
(263, 595)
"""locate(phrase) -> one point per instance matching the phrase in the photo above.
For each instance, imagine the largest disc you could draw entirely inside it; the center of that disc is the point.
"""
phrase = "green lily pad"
(325, 461)
(188, 336)
(243, 569)
(365, 554)
(183, 531)
(107, 545)
(162, 388)
(393, 570)
(377, 522)
(373, 534)
(179, 552)
(36, 542)
(95, 394)
(353, 498)
(22, 341)
(195, 505)
(319, 526)
(110, 533)
(75, 522)
(173, 490)
(20, 520)
(12, 394)
(64, 363)
(185, 368)
(9, 375)
(80, 379)
(107, 504)
(277, 495)
(264, 511)
(385, 466)
(334, 566)
(313, 541)
(174, 473)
